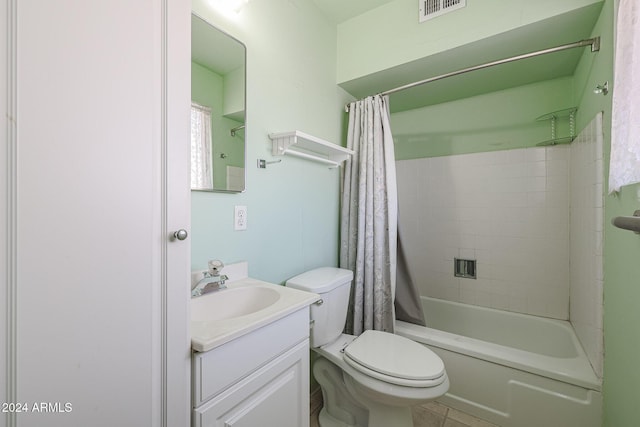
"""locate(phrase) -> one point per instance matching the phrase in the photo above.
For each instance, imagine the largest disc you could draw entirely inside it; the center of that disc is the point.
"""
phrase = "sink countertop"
(206, 335)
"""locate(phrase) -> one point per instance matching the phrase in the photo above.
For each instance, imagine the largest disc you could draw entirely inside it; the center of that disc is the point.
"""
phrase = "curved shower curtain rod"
(593, 42)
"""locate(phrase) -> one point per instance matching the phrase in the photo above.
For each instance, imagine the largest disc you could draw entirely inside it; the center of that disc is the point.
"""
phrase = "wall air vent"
(433, 8)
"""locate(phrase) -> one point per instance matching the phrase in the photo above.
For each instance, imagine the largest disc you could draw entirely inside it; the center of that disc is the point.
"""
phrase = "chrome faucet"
(209, 283)
(212, 280)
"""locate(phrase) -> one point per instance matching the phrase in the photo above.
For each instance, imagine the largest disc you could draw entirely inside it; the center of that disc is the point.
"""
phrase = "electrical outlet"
(240, 218)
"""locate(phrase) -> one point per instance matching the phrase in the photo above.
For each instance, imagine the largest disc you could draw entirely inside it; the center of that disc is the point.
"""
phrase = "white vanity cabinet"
(258, 379)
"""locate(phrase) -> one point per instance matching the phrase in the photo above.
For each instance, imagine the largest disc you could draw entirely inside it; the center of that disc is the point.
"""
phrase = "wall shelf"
(300, 144)
(553, 118)
(567, 112)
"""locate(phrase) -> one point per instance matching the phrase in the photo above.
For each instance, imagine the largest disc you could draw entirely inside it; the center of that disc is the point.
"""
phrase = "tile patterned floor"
(432, 414)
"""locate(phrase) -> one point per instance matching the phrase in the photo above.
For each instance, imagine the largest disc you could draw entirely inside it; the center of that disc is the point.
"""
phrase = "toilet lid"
(394, 356)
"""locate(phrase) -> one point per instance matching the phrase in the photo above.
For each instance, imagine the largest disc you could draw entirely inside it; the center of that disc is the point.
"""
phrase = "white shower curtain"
(369, 217)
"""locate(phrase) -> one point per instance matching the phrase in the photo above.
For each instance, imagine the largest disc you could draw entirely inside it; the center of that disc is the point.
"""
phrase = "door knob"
(180, 234)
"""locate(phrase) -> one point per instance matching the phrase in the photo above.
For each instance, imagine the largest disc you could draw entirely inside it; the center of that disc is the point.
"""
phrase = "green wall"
(495, 121)
(234, 94)
(394, 29)
(621, 249)
(207, 88)
(292, 206)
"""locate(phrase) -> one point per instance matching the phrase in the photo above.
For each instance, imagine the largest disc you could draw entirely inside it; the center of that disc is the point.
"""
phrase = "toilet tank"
(333, 285)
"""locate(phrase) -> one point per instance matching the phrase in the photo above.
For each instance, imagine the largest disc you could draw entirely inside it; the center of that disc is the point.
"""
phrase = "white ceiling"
(341, 10)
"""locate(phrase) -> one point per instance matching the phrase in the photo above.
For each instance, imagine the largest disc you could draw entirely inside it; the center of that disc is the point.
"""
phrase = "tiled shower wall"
(586, 231)
(508, 210)
(531, 218)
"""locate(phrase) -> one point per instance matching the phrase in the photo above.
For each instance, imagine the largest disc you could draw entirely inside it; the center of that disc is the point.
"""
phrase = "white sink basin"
(232, 302)
(246, 305)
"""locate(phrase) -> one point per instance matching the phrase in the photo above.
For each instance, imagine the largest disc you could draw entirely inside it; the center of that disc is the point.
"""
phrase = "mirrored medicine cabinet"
(218, 82)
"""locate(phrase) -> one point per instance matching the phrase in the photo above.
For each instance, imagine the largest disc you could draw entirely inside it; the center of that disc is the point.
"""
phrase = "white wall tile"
(510, 210)
(537, 168)
(587, 222)
(493, 207)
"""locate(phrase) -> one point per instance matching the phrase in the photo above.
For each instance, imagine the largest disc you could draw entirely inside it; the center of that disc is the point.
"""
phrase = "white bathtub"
(512, 369)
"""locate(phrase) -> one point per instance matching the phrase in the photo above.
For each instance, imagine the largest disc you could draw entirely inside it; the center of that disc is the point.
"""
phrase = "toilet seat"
(394, 359)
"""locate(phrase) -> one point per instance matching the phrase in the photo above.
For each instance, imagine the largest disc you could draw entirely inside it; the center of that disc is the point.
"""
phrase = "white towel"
(624, 167)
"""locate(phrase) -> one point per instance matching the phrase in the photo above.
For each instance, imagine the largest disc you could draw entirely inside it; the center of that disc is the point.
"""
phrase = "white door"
(94, 139)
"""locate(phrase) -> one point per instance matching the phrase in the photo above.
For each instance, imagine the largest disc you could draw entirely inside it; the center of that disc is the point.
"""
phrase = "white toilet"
(371, 380)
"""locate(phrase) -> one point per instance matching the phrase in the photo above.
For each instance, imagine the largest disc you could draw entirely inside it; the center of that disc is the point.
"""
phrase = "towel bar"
(628, 222)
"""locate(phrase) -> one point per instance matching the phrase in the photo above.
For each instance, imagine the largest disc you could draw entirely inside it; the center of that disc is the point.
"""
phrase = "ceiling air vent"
(434, 8)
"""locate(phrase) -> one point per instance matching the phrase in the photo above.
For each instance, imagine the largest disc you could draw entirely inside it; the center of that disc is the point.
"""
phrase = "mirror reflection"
(217, 109)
